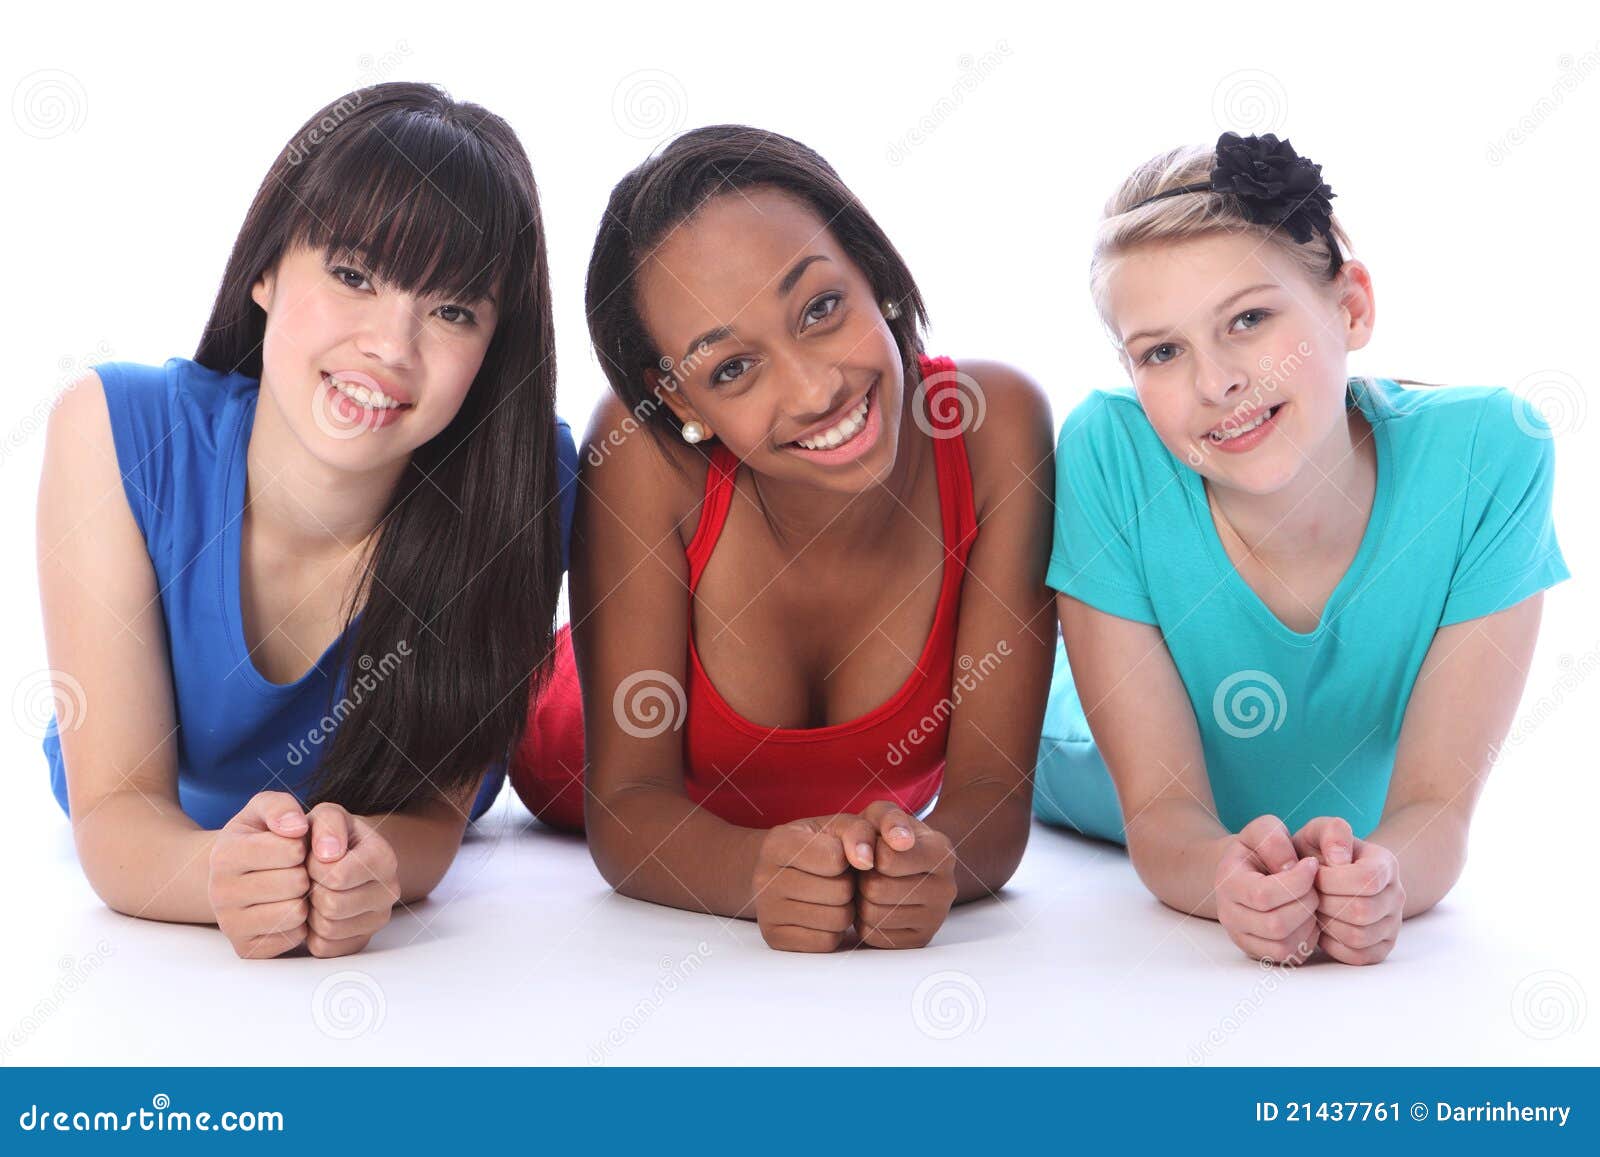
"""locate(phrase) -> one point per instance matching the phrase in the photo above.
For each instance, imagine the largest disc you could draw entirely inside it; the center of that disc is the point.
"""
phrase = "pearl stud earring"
(693, 432)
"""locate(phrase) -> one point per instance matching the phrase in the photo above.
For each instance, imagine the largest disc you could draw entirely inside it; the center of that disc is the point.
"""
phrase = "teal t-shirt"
(1302, 725)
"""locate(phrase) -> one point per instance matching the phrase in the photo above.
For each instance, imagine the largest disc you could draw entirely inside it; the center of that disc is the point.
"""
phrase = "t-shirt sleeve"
(1094, 556)
(567, 480)
(140, 406)
(1508, 537)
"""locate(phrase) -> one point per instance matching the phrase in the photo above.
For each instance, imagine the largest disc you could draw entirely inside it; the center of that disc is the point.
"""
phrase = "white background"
(1464, 159)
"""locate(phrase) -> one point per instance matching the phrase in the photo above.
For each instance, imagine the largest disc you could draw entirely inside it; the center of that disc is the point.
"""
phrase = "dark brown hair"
(667, 190)
(437, 197)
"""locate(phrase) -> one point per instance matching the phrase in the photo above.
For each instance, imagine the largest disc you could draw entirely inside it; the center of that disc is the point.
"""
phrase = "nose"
(1218, 376)
(815, 388)
(390, 330)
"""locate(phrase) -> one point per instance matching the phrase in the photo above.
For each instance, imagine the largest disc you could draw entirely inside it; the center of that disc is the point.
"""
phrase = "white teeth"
(371, 399)
(1230, 435)
(851, 425)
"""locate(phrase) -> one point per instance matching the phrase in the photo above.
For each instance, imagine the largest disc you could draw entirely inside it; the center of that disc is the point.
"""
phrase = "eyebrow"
(722, 333)
(1221, 307)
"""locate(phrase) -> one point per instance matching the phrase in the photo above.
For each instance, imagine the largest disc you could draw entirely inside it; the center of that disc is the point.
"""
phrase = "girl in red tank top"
(745, 756)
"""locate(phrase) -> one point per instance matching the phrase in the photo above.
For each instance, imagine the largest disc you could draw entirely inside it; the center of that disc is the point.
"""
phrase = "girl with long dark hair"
(299, 588)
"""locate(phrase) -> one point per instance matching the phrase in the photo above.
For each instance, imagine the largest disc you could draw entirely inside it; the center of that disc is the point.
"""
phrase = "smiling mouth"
(361, 395)
(1227, 433)
(847, 429)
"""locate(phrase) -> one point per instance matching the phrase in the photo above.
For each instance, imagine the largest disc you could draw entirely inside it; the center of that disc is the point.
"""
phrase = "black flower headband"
(1273, 185)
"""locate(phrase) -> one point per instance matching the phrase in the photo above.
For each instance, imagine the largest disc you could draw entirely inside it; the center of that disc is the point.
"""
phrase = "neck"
(1322, 509)
(304, 505)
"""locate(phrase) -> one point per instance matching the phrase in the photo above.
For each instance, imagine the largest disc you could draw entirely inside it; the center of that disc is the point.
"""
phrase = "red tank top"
(758, 776)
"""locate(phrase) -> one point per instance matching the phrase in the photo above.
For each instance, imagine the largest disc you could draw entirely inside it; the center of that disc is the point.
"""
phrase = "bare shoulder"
(1010, 432)
(641, 479)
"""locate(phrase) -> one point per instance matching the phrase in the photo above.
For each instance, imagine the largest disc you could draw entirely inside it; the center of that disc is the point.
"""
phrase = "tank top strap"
(950, 410)
(714, 506)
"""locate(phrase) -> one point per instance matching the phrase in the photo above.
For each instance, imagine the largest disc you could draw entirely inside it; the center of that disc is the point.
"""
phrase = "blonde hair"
(1128, 223)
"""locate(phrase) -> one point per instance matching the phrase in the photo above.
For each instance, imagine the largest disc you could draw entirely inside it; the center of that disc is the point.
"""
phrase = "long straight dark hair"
(668, 189)
(437, 197)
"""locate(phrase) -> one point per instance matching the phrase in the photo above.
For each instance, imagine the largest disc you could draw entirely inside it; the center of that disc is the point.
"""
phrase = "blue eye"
(1260, 315)
(811, 316)
(716, 375)
(1150, 357)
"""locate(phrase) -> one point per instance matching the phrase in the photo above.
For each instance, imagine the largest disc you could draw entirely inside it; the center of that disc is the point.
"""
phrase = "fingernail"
(903, 833)
(327, 847)
(1287, 866)
(1339, 854)
(288, 820)
(864, 852)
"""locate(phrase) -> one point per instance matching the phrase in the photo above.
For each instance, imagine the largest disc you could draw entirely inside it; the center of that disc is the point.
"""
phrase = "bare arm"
(630, 614)
(105, 634)
(1144, 727)
(1461, 707)
(1006, 638)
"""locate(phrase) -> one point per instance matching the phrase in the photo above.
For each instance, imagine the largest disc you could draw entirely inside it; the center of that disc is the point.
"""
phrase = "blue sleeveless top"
(181, 433)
